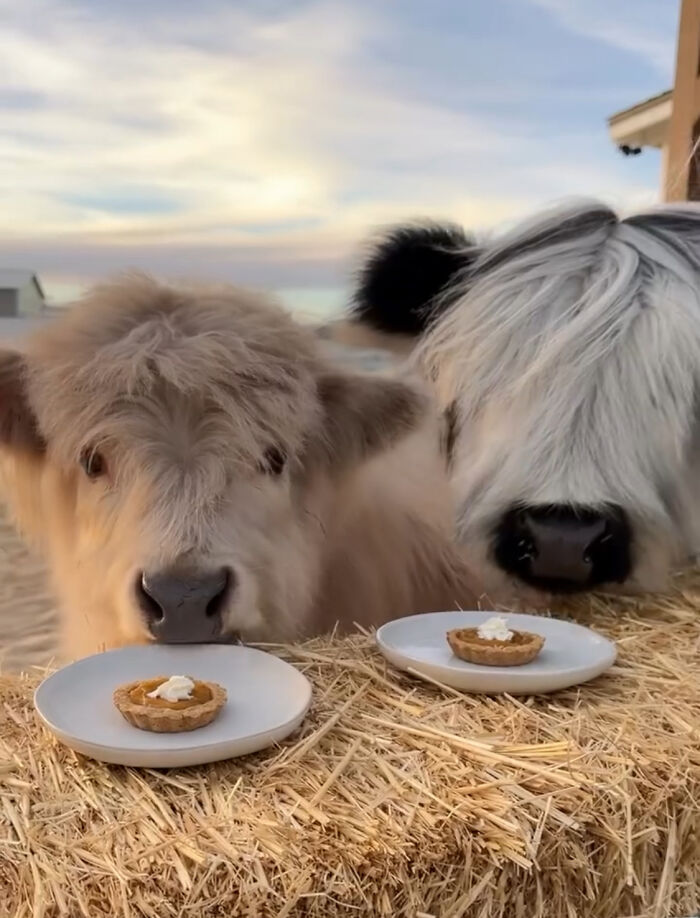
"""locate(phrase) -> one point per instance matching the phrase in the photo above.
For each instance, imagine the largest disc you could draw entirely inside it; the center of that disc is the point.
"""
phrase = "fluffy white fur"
(573, 360)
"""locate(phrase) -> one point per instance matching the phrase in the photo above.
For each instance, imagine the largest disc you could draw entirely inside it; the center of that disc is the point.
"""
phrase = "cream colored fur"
(182, 391)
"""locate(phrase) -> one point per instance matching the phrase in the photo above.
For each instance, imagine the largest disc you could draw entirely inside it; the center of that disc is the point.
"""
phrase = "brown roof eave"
(641, 106)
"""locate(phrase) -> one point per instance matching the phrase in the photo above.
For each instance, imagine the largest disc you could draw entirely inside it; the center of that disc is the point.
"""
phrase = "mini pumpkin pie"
(493, 644)
(169, 704)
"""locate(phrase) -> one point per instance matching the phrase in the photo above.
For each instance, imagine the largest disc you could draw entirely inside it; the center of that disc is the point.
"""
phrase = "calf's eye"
(92, 463)
(273, 461)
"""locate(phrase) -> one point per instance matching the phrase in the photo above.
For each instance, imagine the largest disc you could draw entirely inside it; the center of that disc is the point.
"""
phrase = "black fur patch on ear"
(405, 272)
(18, 428)
(364, 415)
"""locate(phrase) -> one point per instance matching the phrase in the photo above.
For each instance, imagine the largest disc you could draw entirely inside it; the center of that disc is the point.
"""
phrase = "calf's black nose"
(563, 548)
(184, 608)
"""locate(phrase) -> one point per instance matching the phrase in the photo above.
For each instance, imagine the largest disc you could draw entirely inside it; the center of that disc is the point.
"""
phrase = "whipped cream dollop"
(176, 688)
(494, 629)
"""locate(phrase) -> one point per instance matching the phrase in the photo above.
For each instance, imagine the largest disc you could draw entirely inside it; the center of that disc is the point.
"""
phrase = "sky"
(262, 141)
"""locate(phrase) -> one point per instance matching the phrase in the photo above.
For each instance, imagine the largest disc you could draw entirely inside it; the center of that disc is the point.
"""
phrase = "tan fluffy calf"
(194, 470)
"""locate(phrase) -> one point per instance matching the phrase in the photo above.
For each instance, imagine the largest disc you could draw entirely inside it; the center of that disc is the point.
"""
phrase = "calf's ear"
(399, 288)
(18, 426)
(364, 415)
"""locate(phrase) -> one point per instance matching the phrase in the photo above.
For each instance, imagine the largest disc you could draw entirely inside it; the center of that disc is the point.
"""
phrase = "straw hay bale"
(28, 621)
(396, 798)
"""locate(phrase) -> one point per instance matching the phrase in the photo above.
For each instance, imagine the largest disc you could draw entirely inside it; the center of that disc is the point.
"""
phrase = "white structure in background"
(22, 303)
(20, 294)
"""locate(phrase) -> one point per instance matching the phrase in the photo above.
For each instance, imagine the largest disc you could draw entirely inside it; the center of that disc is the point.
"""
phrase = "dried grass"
(397, 798)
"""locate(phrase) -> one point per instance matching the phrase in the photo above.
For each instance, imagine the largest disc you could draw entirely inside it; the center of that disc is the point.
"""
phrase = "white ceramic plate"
(267, 700)
(571, 654)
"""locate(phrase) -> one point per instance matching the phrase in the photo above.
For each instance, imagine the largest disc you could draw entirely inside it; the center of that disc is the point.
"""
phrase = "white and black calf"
(566, 357)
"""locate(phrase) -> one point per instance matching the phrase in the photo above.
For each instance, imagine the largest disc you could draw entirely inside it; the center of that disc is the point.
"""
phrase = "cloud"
(258, 142)
(643, 28)
(274, 133)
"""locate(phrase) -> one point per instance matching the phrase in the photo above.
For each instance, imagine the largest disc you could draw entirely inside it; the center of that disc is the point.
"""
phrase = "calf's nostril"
(216, 603)
(149, 604)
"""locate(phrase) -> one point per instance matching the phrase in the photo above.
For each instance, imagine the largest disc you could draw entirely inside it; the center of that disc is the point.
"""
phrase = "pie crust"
(466, 644)
(162, 716)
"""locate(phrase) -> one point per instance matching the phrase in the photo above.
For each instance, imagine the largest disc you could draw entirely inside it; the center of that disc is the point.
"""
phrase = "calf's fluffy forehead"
(222, 353)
